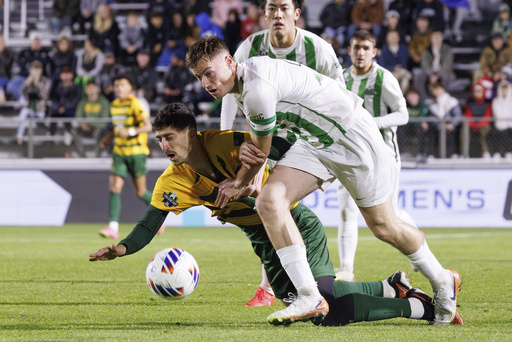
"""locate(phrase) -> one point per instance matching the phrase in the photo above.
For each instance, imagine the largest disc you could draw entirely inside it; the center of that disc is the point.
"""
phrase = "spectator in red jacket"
(478, 112)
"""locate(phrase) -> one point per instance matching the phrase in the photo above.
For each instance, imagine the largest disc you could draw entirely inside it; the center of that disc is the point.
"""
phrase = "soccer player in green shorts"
(199, 161)
(131, 125)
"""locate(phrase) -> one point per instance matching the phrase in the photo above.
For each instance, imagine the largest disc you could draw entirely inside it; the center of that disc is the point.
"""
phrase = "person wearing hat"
(35, 91)
(494, 57)
(420, 40)
(391, 23)
(503, 24)
(433, 10)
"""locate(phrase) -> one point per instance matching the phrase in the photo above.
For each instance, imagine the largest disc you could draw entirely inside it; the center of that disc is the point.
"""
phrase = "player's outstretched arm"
(108, 253)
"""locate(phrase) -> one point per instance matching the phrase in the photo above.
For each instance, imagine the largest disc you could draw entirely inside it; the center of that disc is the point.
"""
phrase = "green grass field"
(50, 291)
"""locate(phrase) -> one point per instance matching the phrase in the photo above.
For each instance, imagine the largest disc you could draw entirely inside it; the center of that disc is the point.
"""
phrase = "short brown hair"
(205, 48)
(363, 35)
(296, 3)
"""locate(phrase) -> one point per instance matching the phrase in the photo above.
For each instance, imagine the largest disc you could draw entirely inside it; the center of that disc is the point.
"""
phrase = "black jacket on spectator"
(60, 60)
(107, 41)
(6, 61)
(146, 79)
(67, 97)
(27, 56)
(336, 15)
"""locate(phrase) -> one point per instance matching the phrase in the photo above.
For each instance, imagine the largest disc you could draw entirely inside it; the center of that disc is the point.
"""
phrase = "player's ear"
(297, 14)
(229, 60)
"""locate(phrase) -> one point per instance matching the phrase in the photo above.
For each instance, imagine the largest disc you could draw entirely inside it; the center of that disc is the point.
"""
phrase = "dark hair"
(363, 35)
(205, 48)
(296, 3)
(176, 115)
(124, 75)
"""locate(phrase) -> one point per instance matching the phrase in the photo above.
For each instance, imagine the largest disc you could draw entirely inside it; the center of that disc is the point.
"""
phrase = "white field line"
(442, 236)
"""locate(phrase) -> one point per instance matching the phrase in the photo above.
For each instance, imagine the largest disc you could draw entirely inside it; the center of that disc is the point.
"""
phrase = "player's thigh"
(116, 183)
(137, 165)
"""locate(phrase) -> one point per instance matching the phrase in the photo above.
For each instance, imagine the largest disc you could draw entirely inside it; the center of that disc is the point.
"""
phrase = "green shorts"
(133, 165)
(313, 234)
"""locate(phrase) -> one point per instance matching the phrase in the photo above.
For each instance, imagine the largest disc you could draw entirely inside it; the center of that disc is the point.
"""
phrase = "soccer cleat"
(426, 301)
(161, 230)
(261, 298)
(445, 300)
(301, 310)
(457, 320)
(108, 232)
(344, 275)
(401, 283)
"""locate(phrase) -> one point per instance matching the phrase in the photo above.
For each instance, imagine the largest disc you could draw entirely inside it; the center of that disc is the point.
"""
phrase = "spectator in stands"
(156, 36)
(207, 27)
(478, 112)
(6, 62)
(494, 57)
(193, 30)
(420, 40)
(177, 80)
(34, 52)
(104, 33)
(165, 7)
(335, 18)
(88, 8)
(64, 13)
(405, 10)
(436, 65)
(221, 9)
(131, 40)
(251, 22)
(64, 97)
(106, 75)
(366, 15)
(145, 76)
(93, 106)
(35, 90)
(447, 110)
(395, 58)
(459, 10)
(63, 55)
(503, 24)
(433, 10)
(89, 63)
(499, 138)
(391, 23)
(411, 136)
(232, 31)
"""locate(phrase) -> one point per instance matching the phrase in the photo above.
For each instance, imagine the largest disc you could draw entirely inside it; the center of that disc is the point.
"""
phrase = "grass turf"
(50, 291)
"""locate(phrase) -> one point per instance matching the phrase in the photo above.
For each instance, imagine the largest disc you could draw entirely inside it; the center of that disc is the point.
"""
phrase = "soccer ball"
(172, 273)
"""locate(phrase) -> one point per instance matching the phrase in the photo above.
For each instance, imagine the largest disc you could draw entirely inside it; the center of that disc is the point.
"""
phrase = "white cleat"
(303, 309)
(445, 300)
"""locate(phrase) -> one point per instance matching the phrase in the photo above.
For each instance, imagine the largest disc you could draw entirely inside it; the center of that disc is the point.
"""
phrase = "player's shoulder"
(244, 50)
(217, 139)
(317, 40)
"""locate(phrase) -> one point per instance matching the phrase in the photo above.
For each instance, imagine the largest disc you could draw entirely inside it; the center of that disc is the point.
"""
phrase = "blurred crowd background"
(57, 60)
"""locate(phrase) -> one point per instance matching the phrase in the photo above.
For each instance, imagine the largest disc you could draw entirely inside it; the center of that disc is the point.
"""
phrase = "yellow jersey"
(127, 114)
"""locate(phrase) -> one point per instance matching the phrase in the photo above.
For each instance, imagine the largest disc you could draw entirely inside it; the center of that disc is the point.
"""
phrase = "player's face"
(216, 76)
(361, 53)
(175, 144)
(122, 88)
(281, 16)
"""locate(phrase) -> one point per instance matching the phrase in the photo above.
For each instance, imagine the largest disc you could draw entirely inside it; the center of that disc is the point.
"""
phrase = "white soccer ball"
(172, 273)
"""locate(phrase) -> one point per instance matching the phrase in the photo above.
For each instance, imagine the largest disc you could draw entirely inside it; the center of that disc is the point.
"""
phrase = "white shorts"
(360, 161)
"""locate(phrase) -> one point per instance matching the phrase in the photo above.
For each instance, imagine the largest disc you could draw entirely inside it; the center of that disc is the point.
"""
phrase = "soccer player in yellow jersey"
(199, 162)
(131, 125)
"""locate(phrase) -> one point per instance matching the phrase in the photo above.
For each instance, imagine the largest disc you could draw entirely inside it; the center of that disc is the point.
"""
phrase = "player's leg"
(347, 235)
(284, 187)
(264, 294)
(116, 184)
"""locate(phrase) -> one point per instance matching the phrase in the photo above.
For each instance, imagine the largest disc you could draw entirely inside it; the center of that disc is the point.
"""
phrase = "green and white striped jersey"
(383, 98)
(292, 101)
(308, 49)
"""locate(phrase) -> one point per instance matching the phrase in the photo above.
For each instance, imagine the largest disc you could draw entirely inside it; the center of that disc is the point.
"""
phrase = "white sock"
(347, 232)
(265, 285)
(295, 263)
(114, 225)
(426, 263)
(387, 290)
(417, 309)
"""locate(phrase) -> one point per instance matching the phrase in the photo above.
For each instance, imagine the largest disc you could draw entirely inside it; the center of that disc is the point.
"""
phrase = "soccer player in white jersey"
(384, 100)
(282, 40)
(332, 136)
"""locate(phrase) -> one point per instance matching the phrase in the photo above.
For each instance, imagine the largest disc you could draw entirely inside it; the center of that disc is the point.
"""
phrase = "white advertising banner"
(31, 198)
(434, 198)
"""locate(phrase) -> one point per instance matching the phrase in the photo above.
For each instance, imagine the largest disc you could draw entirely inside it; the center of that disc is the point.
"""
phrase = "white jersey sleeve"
(394, 99)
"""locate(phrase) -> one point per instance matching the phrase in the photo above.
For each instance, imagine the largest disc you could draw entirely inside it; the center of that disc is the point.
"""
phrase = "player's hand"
(227, 191)
(251, 155)
(108, 253)
(123, 133)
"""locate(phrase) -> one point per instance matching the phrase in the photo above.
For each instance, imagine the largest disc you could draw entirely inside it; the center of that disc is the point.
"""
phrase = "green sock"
(114, 206)
(147, 197)
(371, 308)
(373, 288)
